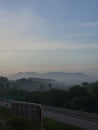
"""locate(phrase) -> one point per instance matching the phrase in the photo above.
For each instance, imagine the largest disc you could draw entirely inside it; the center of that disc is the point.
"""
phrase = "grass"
(54, 125)
(4, 113)
(1, 127)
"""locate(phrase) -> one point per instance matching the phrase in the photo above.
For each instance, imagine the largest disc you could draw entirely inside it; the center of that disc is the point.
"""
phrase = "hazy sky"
(49, 35)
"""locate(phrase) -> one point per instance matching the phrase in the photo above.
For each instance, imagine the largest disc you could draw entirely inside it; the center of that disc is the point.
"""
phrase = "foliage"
(78, 98)
(21, 124)
(4, 112)
(78, 91)
(1, 127)
(84, 97)
(54, 125)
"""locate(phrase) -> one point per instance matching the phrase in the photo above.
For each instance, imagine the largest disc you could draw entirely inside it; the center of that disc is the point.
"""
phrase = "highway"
(71, 113)
(81, 119)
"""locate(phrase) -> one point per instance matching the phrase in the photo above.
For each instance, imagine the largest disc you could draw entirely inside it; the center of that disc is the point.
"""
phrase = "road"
(81, 119)
(69, 117)
(71, 113)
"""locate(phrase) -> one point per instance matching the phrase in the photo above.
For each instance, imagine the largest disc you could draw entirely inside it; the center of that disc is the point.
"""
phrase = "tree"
(77, 103)
(95, 90)
(84, 84)
(42, 87)
(49, 86)
(78, 91)
(2, 90)
(89, 102)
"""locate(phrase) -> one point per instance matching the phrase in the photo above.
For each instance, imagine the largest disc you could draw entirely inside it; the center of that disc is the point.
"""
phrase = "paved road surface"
(77, 118)
(77, 114)
(89, 125)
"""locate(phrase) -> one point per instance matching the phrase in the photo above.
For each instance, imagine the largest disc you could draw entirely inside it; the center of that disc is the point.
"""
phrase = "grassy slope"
(4, 113)
(54, 125)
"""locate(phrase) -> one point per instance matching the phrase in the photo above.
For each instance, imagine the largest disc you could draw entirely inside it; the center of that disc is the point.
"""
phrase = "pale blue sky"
(49, 35)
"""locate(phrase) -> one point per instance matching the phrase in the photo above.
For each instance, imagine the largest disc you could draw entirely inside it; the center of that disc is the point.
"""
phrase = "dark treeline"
(84, 97)
(78, 98)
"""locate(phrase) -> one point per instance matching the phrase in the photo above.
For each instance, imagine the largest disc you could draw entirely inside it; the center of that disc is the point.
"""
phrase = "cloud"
(14, 27)
(46, 46)
(88, 24)
(24, 32)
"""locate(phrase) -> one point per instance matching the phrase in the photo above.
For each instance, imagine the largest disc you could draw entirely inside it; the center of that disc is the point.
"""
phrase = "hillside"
(36, 84)
(68, 78)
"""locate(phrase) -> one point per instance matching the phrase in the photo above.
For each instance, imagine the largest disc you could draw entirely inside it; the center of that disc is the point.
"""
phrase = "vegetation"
(77, 98)
(83, 98)
(26, 124)
(1, 126)
(54, 125)
(4, 113)
(13, 123)
(21, 124)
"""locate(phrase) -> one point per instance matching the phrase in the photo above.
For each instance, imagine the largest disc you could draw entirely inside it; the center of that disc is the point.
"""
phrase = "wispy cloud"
(88, 24)
(34, 39)
(15, 28)
(23, 32)
(46, 46)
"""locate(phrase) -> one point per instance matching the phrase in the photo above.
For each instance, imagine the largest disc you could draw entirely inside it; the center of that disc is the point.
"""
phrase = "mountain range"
(68, 78)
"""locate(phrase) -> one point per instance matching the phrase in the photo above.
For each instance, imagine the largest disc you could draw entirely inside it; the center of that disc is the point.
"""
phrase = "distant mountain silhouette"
(36, 84)
(68, 78)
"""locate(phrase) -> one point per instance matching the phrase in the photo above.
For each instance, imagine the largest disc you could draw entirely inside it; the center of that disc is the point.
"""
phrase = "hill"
(37, 84)
(68, 78)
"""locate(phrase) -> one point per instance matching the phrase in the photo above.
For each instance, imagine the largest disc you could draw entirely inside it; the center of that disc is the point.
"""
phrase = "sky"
(49, 35)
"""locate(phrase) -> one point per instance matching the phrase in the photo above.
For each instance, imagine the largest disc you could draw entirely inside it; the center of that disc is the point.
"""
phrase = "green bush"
(54, 125)
(21, 124)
